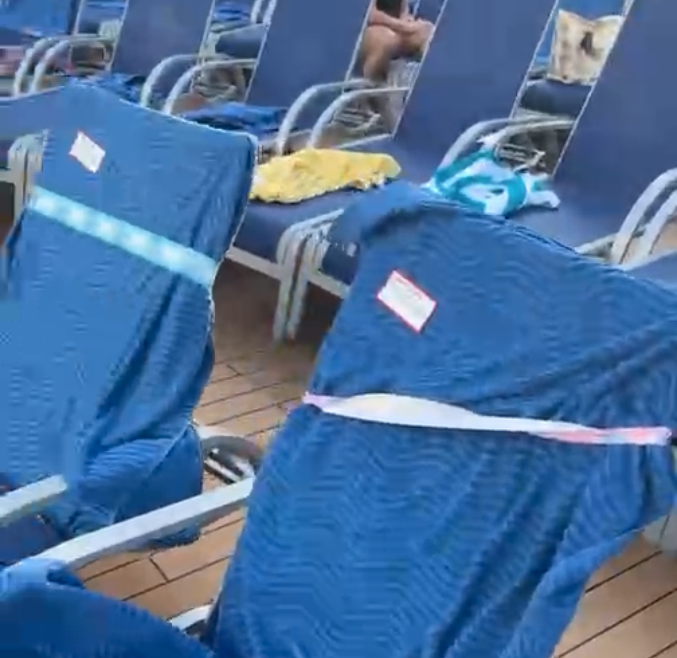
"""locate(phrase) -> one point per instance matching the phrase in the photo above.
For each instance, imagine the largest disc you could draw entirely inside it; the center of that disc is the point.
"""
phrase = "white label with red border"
(87, 152)
(407, 301)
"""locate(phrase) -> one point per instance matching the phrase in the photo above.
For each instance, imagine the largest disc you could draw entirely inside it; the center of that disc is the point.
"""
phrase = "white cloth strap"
(408, 411)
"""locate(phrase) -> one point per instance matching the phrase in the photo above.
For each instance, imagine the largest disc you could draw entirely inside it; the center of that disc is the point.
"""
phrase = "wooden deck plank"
(637, 552)
(109, 564)
(670, 652)
(644, 635)
(619, 599)
(212, 547)
(127, 581)
(191, 591)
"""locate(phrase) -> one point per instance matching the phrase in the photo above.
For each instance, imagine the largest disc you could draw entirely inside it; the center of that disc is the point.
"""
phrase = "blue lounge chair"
(288, 74)
(376, 538)
(94, 13)
(288, 69)
(27, 28)
(614, 172)
(551, 96)
(110, 265)
(32, 18)
(361, 121)
(432, 120)
(152, 30)
(660, 269)
(244, 41)
(237, 37)
(68, 23)
(617, 165)
(644, 262)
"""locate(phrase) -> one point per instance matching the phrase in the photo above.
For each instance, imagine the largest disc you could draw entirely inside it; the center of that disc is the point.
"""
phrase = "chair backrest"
(587, 8)
(429, 9)
(153, 30)
(231, 11)
(121, 190)
(307, 43)
(473, 70)
(38, 17)
(627, 132)
(93, 13)
(29, 114)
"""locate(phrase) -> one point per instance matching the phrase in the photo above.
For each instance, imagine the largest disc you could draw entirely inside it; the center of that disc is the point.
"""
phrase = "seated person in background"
(391, 32)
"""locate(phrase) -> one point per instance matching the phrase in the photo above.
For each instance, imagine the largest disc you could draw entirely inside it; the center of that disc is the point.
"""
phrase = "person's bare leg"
(416, 42)
(379, 47)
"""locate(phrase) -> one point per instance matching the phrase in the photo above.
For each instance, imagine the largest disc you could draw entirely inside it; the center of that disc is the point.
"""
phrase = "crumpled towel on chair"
(311, 173)
(232, 115)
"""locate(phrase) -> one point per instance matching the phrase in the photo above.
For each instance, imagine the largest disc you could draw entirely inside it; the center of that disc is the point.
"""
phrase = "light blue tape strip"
(151, 247)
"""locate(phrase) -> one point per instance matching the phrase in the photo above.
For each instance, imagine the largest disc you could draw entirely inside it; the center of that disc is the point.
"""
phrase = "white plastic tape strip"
(408, 411)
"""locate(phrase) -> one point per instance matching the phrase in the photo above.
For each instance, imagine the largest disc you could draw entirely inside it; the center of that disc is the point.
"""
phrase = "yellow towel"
(312, 172)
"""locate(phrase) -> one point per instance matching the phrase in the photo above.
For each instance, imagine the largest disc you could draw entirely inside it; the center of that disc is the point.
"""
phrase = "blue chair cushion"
(127, 87)
(663, 270)
(552, 97)
(580, 219)
(339, 264)
(28, 536)
(265, 223)
(243, 44)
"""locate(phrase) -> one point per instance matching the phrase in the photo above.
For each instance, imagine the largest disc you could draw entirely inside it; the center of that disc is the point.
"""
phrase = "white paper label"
(87, 152)
(407, 301)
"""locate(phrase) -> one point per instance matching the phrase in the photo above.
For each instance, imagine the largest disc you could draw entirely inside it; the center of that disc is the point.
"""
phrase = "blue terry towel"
(125, 86)
(368, 539)
(43, 591)
(479, 183)
(364, 539)
(104, 353)
(254, 119)
(231, 11)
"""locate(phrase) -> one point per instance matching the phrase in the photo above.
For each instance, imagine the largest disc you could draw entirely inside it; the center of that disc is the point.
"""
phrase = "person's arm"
(378, 17)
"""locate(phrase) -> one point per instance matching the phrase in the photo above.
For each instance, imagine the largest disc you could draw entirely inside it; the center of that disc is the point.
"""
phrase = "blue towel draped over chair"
(104, 353)
(389, 541)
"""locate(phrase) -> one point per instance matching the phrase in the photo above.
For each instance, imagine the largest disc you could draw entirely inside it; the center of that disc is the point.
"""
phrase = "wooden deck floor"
(629, 611)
